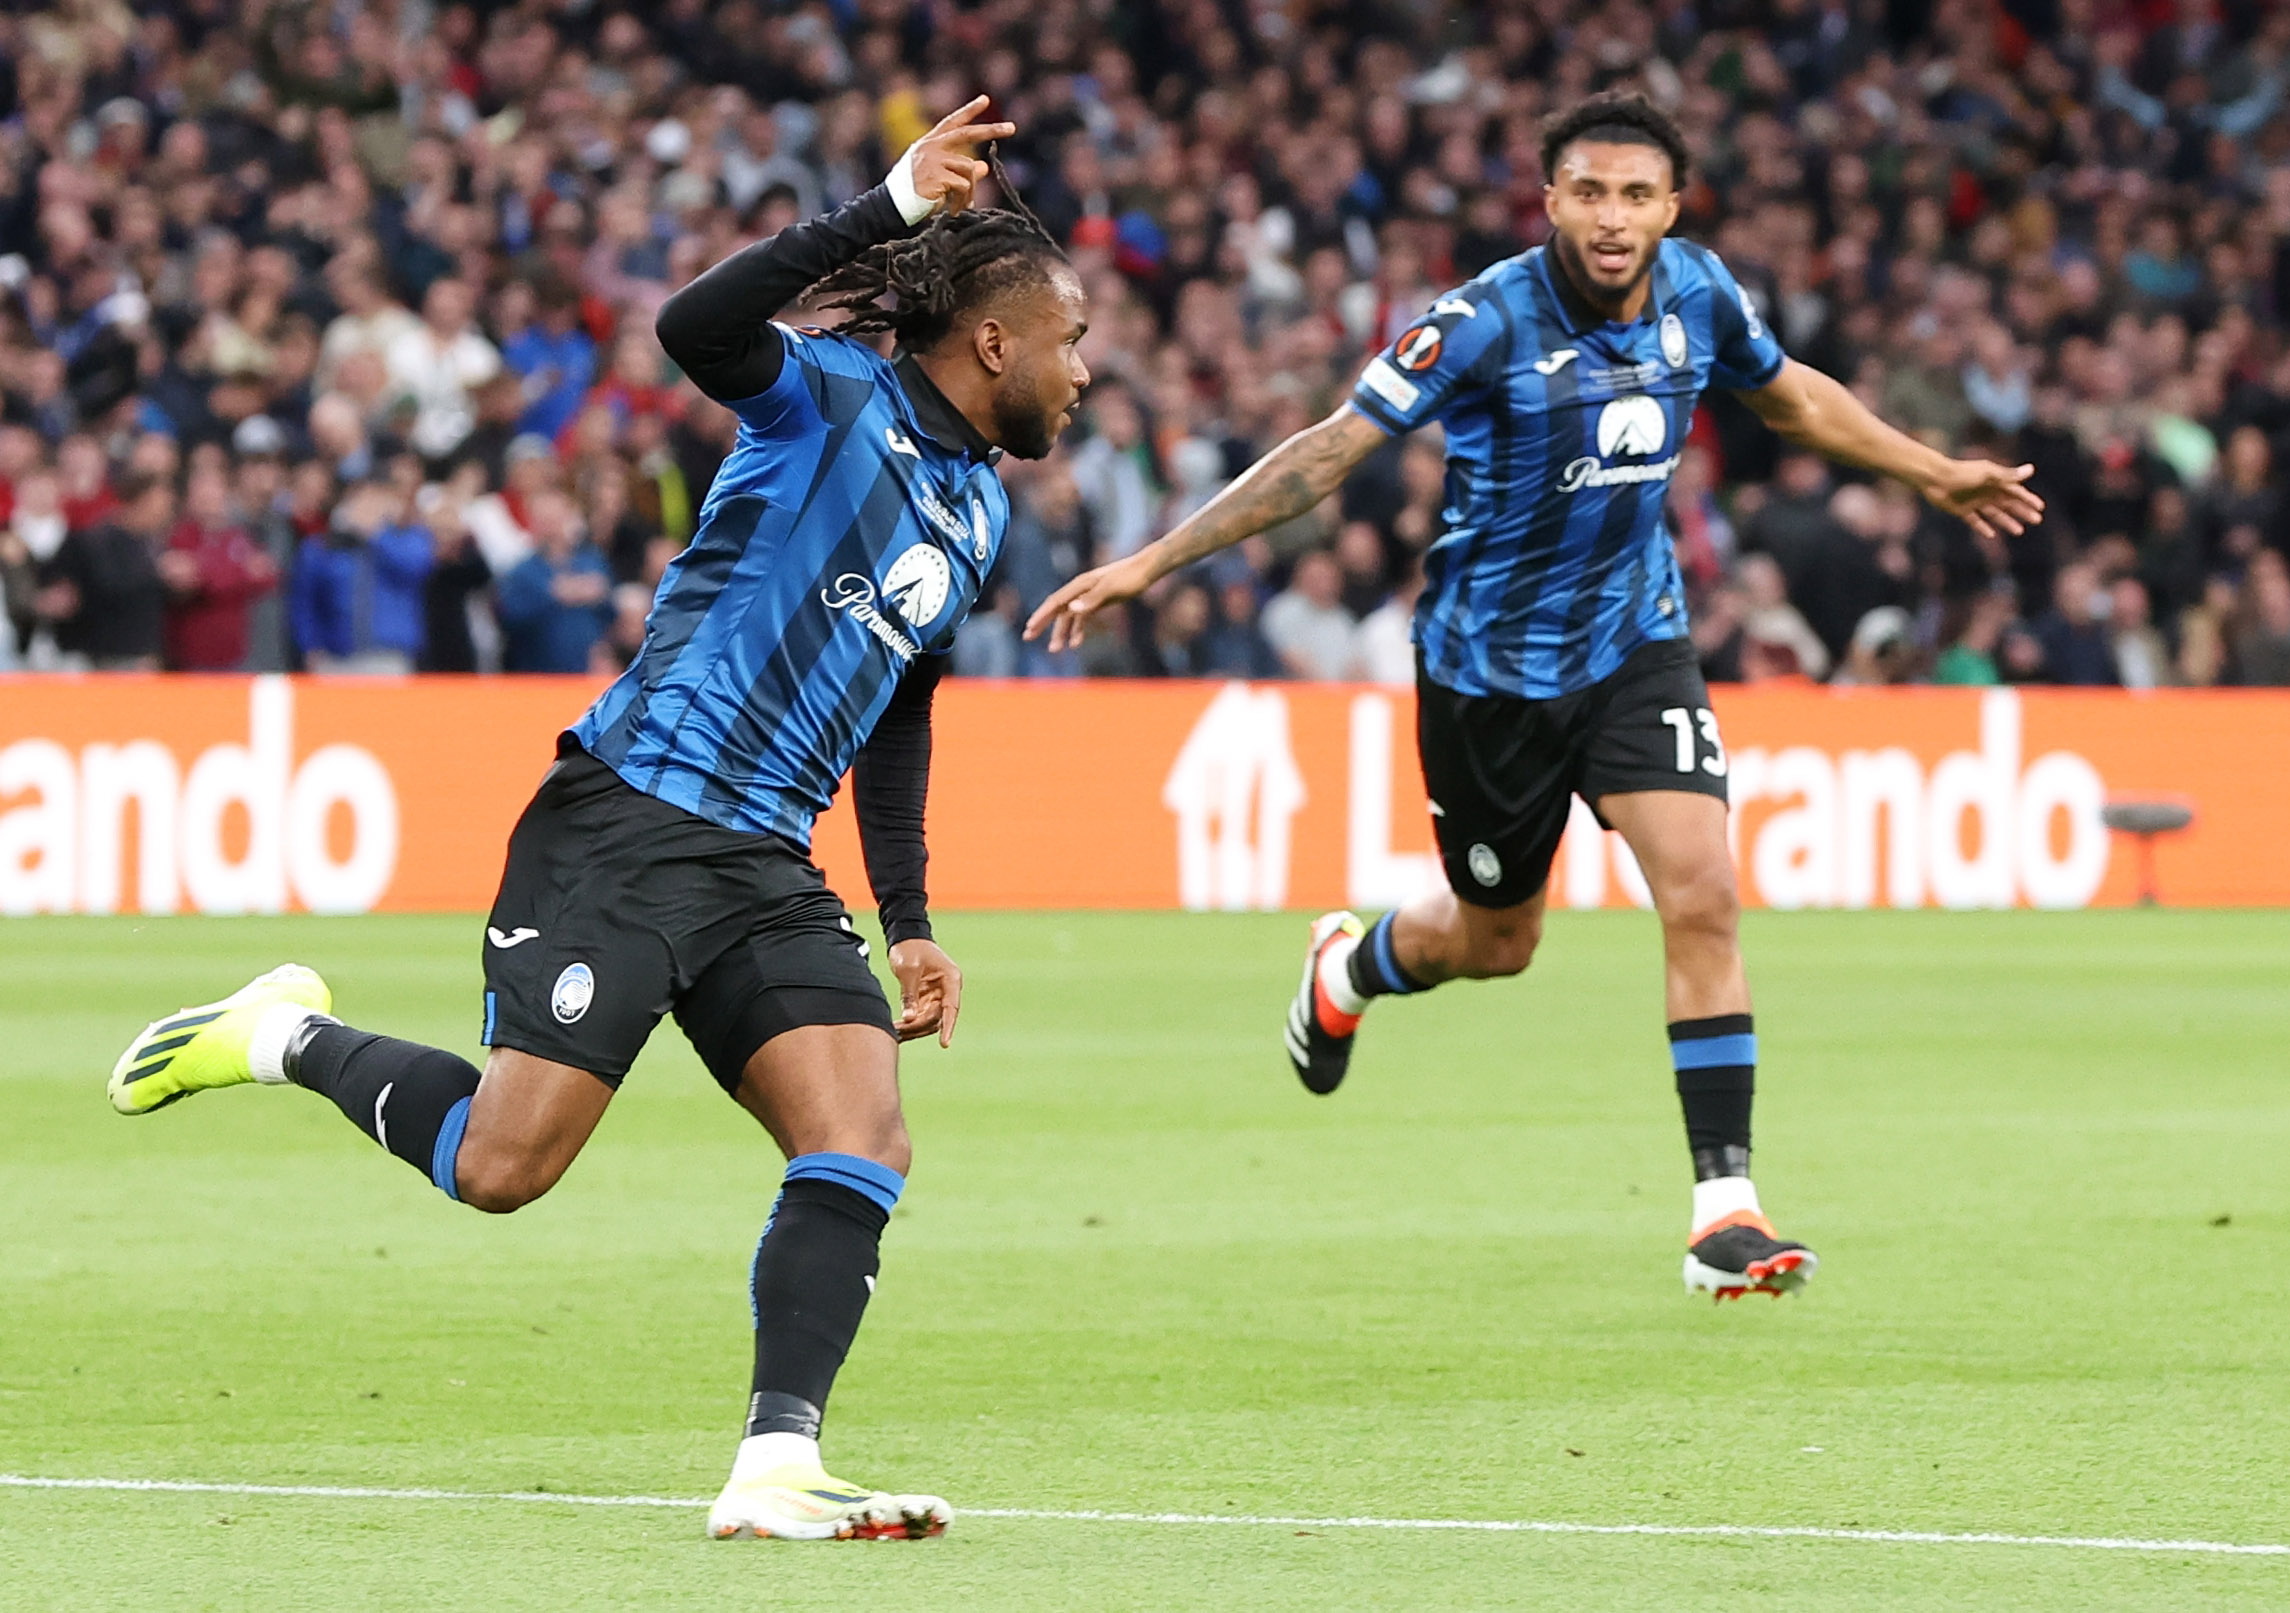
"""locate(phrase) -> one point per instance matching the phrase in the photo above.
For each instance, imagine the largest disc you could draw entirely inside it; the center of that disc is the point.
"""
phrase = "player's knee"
(1505, 949)
(1706, 907)
(498, 1181)
(880, 1137)
(887, 1143)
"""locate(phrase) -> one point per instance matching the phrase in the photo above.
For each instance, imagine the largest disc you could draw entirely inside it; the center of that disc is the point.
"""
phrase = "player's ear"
(991, 342)
(1677, 198)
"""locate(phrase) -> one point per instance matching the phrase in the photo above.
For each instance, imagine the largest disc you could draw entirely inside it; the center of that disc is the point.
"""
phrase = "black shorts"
(616, 908)
(1502, 772)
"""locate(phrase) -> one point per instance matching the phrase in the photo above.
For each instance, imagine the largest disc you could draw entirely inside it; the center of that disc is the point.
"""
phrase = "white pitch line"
(1523, 1526)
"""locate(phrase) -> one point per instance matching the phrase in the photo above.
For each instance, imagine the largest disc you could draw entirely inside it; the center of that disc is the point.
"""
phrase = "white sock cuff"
(266, 1049)
(762, 1453)
(1336, 977)
(1722, 1196)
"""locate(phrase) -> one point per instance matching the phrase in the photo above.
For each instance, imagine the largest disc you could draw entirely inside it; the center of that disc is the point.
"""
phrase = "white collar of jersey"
(940, 420)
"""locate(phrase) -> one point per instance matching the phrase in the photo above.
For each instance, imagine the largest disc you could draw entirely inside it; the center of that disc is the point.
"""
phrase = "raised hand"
(944, 164)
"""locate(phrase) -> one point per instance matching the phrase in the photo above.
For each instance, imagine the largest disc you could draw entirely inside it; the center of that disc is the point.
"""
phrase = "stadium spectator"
(2244, 508)
(1792, 519)
(1850, 564)
(436, 365)
(1179, 646)
(1237, 646)
(1968, 653)
(458, 634)
(214, 571)
(553, 358)
(371, 321)
(2262, 641)
(1880, 651)
(103, 590)
(2141, 659)
(1775, 639)
(29, 540)
(356, 598)
(1113, 472)
(1306, 623)
(1385, 645)
(2074, 642)
(557, 603)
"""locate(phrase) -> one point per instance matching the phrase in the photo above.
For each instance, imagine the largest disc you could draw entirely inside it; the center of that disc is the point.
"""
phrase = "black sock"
(413, 1100)
(1716, 1062)
(814, 1272)
(1375, 968)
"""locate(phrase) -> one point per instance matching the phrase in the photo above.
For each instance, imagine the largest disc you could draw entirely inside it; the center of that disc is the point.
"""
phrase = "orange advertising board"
(197, 794)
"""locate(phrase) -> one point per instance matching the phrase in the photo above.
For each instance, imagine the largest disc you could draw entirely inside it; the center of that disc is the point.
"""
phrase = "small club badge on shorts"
(570, 997)
(1486, 867)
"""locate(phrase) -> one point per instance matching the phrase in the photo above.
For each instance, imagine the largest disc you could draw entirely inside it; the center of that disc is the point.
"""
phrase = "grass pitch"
(2042, 1157)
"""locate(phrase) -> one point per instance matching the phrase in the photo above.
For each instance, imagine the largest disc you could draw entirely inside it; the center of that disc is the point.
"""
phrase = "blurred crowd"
(325, 331)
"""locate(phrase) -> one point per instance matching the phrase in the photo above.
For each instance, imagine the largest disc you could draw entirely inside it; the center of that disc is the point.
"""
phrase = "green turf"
(2042, 1156)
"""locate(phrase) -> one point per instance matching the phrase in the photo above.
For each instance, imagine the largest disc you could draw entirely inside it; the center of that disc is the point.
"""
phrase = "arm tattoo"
(1279, 487)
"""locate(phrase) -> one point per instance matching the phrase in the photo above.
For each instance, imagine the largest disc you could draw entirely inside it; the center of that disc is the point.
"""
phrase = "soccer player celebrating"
(1552, 656)
(663, 865)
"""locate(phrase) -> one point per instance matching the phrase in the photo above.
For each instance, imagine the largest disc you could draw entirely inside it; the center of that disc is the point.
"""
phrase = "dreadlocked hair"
(956, 263)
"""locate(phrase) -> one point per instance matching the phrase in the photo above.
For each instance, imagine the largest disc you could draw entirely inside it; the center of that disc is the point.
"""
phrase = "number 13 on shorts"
(1686, 721)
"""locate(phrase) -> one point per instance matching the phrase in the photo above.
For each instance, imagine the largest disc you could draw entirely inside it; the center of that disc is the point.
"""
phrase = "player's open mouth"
(1613, 258)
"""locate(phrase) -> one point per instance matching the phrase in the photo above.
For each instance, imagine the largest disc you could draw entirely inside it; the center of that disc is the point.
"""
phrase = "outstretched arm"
(1279, 487)
(718, 329)
(1816, 411)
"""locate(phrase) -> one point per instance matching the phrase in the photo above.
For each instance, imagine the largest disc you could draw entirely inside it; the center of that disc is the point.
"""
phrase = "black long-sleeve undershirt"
(890, 785)
(718, 329)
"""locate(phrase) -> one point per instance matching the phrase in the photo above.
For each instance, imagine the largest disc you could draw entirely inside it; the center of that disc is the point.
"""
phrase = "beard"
(1585, 281)
(1024, 428)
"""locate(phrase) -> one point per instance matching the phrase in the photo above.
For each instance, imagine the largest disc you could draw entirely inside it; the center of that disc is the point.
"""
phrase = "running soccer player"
(663, 866)
(1552, 656)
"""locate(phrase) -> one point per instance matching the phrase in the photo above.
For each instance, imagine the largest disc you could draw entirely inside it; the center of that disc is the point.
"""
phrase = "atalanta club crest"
(1419, 348)
(1674, 341)
(574, 990)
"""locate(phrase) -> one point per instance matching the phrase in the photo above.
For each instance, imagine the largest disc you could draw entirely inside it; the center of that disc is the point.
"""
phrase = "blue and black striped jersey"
(1562, 432)
(848, 533)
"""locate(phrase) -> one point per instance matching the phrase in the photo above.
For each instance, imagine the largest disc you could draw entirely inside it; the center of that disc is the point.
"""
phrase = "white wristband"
(904, 197)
